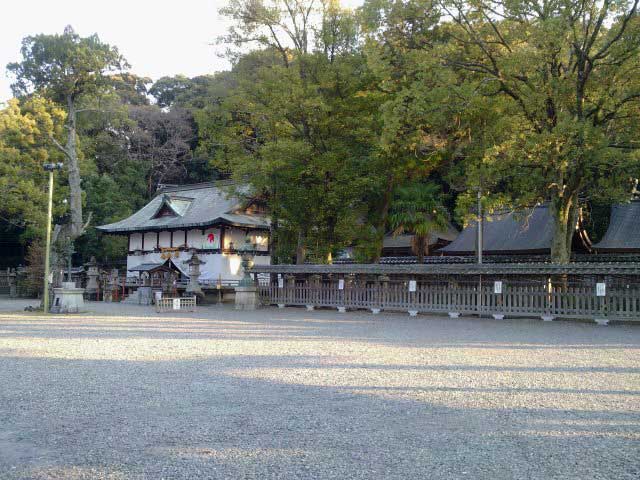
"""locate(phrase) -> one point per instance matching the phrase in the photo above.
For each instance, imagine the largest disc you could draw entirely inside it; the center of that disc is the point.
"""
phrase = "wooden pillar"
(222, 234)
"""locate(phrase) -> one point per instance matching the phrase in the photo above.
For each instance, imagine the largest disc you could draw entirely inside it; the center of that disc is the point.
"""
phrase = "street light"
(49, 167)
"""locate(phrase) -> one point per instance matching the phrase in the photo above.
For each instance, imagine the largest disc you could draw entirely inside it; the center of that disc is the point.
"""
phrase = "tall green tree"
(417, 209)
(26, 130)
(71, 71)
(417, 110)
(565, 76)
(296, 126)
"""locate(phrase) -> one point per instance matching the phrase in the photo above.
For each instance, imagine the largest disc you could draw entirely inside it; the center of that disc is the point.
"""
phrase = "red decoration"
(211, 237)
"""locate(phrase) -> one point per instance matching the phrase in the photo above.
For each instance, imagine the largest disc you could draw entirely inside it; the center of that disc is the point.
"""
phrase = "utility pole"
(49, 167)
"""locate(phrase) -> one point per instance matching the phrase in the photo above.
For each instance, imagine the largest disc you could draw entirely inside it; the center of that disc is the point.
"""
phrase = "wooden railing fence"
(472, 298)
(167, 304)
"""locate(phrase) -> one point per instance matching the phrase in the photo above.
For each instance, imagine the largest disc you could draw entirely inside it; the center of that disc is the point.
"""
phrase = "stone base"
(342, 309)
(281, 305)
(375, 311)
(601, 321)
(454, 314)
(498, 316)
(68, 299)
(145, 295)
(547, 318)
(247, 298)
(413, 313)
(309, 308)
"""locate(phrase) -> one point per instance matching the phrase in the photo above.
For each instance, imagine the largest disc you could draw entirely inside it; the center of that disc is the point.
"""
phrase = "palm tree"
(417, 209)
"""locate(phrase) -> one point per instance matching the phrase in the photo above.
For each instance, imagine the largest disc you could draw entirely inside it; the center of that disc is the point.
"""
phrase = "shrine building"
(206, 218)
(515, 234)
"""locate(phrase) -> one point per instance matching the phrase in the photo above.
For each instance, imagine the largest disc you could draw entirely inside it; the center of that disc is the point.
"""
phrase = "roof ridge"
(194, 186)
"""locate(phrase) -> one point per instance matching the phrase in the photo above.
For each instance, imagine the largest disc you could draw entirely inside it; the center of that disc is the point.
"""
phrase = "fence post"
(547, 317)
(381, 290)
(601, 294)
(497, 291)
(340, 295)
(289, 289)
(312, 287)
(453, 291)
(412, 286)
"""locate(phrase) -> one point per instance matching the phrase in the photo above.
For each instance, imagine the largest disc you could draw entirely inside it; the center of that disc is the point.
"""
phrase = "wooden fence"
(174, 304)
(546, 300)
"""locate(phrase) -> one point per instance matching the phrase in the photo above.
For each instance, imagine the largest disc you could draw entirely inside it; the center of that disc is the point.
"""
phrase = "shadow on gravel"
(211, 418)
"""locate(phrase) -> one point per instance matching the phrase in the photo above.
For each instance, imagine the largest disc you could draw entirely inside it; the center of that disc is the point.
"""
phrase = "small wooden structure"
(172, 304)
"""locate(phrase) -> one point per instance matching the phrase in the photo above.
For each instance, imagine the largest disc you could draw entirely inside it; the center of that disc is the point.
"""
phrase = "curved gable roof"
(199, 205)
(623, 234)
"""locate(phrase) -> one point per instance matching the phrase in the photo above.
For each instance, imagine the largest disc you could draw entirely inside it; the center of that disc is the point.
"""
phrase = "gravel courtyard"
(123, 393)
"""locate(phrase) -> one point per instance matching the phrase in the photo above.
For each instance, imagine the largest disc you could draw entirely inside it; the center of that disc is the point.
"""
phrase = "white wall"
(178, 238)
(165, 239)
(194, 238)
(150, 239)
(135, 241)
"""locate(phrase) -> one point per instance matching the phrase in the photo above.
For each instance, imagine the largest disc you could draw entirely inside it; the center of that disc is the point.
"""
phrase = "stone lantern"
(246, 256)
(92, 277)
(246, 291)
(194, 274)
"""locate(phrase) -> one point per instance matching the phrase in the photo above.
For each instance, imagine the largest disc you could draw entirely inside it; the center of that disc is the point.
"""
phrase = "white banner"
(601, 289)
(412, 285)
(341, 284)
(497, 287)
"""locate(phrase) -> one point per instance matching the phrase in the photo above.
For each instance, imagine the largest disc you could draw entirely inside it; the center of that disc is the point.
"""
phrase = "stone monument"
(68, 298)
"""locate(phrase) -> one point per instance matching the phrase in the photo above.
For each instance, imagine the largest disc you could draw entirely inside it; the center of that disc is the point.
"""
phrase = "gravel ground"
(123, 393)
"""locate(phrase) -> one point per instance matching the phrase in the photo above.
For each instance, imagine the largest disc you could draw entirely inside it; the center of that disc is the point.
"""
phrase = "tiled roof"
(623, 233)
(507, 232)
(199, 205)
(404, 240)
(584, 268)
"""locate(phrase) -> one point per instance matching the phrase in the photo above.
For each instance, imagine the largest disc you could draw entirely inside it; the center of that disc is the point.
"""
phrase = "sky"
(157, 37)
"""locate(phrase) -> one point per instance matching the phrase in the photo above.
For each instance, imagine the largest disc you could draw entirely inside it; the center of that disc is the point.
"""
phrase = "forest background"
(349, 124)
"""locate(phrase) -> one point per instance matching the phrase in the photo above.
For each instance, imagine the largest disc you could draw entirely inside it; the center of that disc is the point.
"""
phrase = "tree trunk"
(301, 249)
(564, 210)
(382, 223)
(76, 227)
(273, 239)
(420, 247)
